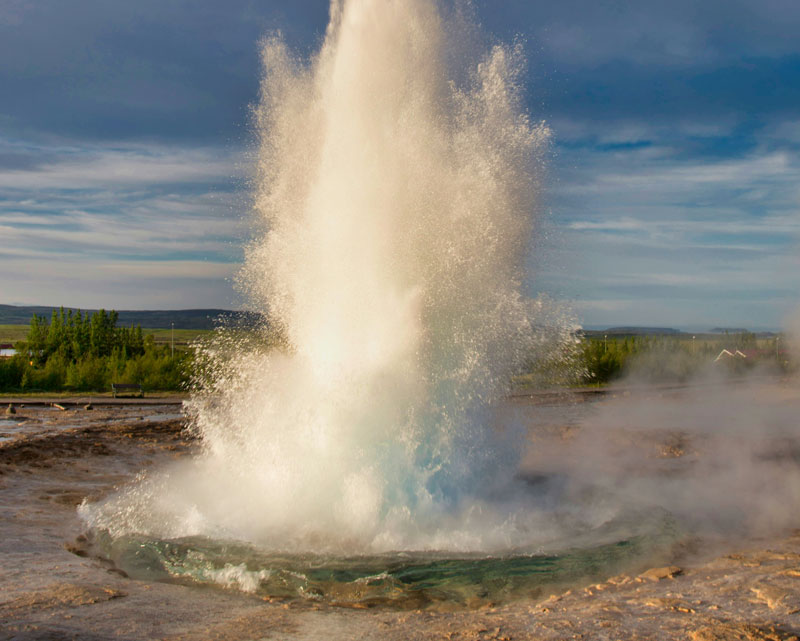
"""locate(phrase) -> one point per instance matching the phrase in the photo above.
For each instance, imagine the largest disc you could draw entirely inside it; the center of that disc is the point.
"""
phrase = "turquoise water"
(399, 580)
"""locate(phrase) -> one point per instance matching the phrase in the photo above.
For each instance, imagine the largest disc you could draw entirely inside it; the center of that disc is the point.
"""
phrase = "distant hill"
(633, 331)
(152, 319)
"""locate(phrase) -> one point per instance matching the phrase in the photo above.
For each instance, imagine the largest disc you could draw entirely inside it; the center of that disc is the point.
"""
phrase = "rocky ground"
(49, 591)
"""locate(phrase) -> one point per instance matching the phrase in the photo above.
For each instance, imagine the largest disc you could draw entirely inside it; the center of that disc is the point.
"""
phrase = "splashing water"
(397, 185)
(397, 180)
(371, 456)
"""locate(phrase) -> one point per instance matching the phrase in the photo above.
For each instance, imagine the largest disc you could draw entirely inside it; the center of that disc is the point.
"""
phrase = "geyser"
(397, 182)
(397, 190)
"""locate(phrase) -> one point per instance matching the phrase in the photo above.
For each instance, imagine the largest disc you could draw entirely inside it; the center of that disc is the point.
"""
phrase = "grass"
(13, 333)
(155, 394)
(182, 336)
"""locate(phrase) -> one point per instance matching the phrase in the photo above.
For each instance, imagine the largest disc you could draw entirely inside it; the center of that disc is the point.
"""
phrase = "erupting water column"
(397, 187)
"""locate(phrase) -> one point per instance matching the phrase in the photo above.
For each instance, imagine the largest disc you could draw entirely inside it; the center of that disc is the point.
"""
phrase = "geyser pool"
(397, 197)
(400, 579)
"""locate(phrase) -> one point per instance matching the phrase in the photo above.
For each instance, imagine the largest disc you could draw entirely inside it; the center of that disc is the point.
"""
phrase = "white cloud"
(77, 281)
(662, 179)
(619, 224)
(678, 236)
(585, 143)
(155, 232)
(124, 167)
(604, 305)
(138, 224)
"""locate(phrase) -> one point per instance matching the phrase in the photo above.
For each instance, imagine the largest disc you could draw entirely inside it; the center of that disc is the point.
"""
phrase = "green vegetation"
(671, 358)
(182, 338)
(10, 334)
(87, 352)
(76, 352)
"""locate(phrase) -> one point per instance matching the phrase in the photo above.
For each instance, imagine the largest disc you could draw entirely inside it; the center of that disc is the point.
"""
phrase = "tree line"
(677, 359)
(88, 352)
(599, 360)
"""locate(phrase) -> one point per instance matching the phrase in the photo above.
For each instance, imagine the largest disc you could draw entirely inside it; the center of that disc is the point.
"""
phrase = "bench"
(132, 389)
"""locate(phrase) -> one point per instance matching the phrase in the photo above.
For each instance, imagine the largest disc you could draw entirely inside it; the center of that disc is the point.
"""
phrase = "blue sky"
(672, 193)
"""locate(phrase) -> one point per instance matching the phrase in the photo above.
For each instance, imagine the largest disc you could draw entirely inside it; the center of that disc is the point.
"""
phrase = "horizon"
(669, 189)
(700, 329)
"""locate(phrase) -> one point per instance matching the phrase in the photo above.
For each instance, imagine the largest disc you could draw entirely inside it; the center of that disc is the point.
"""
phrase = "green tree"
(37, 339)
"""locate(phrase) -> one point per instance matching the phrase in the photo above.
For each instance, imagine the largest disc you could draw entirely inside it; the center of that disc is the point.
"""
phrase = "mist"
(721, 456)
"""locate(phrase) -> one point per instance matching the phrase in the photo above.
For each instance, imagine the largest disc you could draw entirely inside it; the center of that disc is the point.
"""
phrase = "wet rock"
(769, 594)
(77, 550)
(656, 574)
(740, 632)
(61, 595)
(667, 603)
(744, 560)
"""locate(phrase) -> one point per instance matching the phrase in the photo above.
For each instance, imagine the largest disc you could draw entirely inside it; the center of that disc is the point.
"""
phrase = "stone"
(771, 595)
(740, 632)
(656, 574)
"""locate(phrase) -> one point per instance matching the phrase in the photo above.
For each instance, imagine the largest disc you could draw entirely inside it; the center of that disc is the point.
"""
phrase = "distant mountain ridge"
(671, 331)
(150, 319)
(633, 331)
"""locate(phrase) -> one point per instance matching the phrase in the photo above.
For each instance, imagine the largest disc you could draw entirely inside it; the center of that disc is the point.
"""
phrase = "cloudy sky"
(672, 196)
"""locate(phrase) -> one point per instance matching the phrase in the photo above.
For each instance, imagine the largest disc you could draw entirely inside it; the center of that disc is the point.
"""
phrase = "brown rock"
(740, 632)
(770, 595)
(64, 594)
(656, 574)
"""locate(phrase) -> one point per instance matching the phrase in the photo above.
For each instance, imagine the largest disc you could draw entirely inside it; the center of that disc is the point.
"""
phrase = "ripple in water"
(405, 580)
